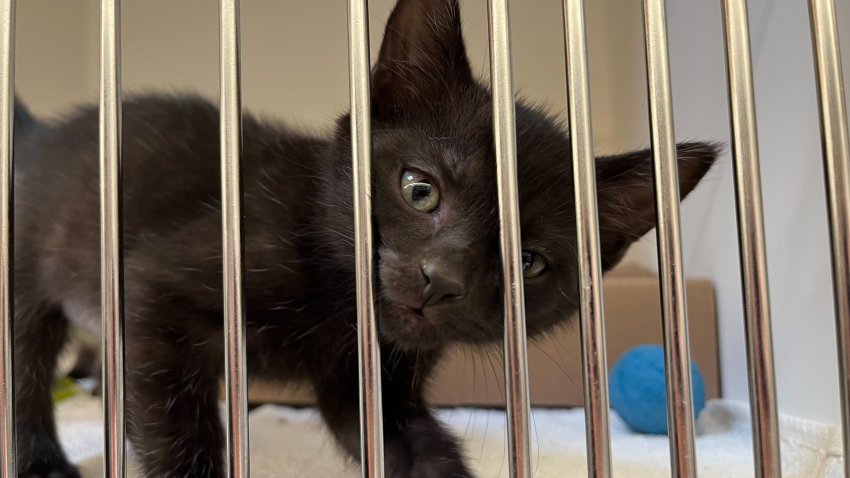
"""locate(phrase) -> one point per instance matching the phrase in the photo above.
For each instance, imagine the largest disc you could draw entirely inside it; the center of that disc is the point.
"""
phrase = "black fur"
(431, 116)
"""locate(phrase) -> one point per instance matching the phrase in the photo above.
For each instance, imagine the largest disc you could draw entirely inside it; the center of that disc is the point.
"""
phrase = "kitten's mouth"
(416, 311)
(408, 327)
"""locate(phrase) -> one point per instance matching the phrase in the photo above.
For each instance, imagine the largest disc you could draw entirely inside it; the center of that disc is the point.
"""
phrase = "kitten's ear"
(626, 194)
(422, 56)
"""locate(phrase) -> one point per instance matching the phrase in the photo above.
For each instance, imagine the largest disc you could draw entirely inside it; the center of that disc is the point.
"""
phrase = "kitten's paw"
(49, 469)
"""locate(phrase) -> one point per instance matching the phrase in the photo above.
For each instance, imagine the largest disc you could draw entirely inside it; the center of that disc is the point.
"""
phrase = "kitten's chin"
(408, 328)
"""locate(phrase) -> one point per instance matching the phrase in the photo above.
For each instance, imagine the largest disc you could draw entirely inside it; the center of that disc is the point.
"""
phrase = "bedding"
(292, 442)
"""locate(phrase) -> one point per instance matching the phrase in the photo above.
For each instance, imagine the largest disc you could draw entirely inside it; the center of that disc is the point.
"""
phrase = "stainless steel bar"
(111, 259)
(680, 415)
(371, 419)
(504, 130)
(235, 376)
(592, 319)
(7, 120)
(836, 152)
(752, 244)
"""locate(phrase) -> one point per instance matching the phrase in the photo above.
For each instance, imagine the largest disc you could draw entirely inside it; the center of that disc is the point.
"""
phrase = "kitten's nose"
(440, 286)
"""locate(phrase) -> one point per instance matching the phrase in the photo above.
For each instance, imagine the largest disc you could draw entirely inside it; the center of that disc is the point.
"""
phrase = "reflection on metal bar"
(236, 391)
(836, 151)
(111, 259)
(680, 415)
(587, 227)
(504, 131)
(751, 237)
(7, 108)
(371, 420)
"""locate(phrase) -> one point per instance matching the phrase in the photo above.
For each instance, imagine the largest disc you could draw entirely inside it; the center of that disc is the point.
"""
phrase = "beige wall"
(294, 55)
(55, 64)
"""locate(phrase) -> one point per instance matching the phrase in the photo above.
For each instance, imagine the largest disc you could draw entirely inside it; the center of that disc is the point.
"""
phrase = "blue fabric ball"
(638, 393)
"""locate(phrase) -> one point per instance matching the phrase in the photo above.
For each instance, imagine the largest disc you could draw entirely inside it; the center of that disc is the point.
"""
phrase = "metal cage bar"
(235, 376)
(836, 152)
(111, 259)
(680, 414)
(371, 419)
(7, 119)
(592, 319)
(752, 244)
(504, 131)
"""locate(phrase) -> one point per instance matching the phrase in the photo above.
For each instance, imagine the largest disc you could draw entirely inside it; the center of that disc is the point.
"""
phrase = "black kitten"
(437, 248)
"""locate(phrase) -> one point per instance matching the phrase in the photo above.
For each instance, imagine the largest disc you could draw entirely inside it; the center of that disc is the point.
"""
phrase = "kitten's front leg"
(416, 445)
(431, 449)
(172, 398)
(40, 332)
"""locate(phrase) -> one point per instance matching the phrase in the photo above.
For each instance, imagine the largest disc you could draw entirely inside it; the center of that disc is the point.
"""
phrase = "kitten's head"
(435, 201)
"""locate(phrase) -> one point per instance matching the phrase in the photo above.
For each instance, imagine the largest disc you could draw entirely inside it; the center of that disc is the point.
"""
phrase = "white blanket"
(288, 442)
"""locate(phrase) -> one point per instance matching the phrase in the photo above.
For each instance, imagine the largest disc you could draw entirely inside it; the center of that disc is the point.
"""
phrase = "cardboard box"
(469, 377)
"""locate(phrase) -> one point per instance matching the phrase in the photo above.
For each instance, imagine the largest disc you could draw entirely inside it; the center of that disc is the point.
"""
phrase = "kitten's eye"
(533, 264)
(419, 192)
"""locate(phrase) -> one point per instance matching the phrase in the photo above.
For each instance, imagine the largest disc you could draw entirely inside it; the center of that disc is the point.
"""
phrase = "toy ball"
(638, 392)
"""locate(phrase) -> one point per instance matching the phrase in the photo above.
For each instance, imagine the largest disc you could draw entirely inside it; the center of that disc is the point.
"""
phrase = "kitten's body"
(429, 116)
(172, 247)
